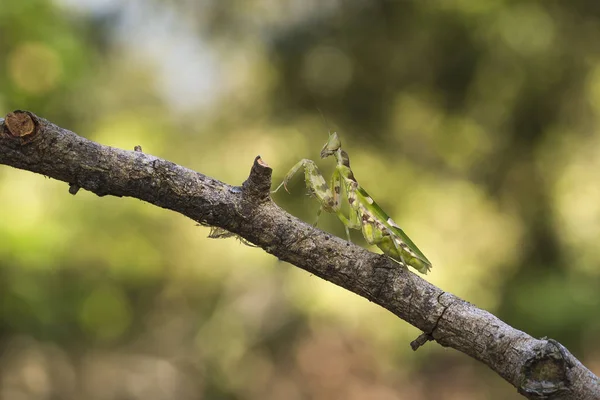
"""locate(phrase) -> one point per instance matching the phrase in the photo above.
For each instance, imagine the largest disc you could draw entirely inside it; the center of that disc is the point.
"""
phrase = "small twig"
(420, 341)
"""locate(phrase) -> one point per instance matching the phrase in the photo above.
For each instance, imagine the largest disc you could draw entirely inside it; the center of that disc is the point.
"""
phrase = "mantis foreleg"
(328, 196)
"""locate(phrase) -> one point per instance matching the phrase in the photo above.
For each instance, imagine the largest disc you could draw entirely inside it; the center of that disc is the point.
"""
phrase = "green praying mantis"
(364, 213)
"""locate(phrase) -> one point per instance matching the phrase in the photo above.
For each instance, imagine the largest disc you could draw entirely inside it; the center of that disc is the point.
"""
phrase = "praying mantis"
(364, 213)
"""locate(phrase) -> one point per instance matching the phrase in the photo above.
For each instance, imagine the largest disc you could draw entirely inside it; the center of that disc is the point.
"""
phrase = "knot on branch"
(257, 188)
(21, 124)
(546, 373)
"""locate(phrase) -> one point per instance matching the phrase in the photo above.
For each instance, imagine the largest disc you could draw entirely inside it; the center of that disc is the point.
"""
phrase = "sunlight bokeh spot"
(577, 202)
(35, 67)
(527, 29)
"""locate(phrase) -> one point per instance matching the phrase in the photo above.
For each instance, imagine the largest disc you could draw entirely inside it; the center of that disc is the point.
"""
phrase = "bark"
(538, 368)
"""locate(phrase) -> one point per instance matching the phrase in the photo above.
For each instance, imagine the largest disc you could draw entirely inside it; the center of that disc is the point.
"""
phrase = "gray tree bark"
(538, 368)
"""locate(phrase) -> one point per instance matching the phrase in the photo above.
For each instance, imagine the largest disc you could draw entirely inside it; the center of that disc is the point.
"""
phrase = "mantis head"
(332, 145)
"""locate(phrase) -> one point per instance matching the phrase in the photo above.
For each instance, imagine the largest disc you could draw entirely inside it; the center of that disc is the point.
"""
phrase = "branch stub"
(20, 123)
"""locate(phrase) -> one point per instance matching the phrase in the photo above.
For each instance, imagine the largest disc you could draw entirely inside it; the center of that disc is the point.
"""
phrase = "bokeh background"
(473, 123)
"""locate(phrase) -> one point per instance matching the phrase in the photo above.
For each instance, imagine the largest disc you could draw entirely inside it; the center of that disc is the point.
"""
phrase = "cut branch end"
(20, 123)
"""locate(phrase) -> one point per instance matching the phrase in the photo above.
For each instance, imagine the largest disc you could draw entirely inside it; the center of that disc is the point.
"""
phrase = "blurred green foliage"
(474, 124)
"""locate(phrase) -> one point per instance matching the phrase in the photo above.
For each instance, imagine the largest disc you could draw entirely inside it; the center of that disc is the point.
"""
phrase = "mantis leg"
(354, 215)
(290, 175)
(315, 183)
(317, 186)
(318, 215)
(336, 189)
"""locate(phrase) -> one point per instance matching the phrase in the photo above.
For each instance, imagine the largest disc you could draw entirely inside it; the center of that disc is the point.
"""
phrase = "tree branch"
(539, 369)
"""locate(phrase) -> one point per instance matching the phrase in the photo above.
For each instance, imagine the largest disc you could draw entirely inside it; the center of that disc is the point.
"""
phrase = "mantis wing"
(420, 262)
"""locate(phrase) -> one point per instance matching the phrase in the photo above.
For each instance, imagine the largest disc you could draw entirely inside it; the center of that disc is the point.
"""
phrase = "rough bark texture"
(539, 369)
